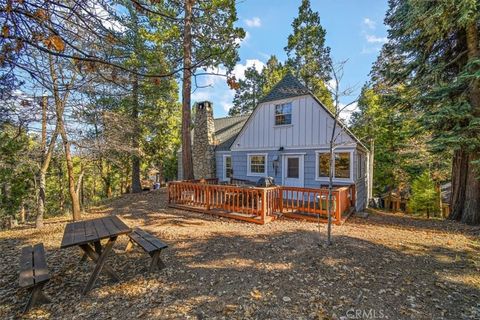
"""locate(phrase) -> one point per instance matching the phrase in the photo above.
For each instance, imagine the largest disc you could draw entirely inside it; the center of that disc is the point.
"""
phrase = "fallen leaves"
(287, 275)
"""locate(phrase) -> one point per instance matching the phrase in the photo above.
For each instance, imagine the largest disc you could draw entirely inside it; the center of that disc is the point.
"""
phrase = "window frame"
(225, 156)
(360, 166)
(282, 114)
(249, 168)
(325, 179)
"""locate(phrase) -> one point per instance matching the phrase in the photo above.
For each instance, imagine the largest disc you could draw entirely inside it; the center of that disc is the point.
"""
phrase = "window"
(257, 164)
(283, 114)
(359, 166)
(228, 173)
(323, 165)
(341, 165)
(293, 168)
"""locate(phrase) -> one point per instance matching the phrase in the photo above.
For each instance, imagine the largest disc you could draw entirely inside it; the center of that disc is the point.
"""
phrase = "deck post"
(168, 191)
(207, 195)
(338, 206)
(280, 199)
(353, 192)
(264, 204)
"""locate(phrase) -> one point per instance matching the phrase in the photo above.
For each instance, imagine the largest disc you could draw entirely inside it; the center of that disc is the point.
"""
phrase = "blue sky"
(355, 31)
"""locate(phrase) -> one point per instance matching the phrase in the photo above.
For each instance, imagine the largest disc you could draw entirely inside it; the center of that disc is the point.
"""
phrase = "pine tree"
(307, 53)
(424, 196)
(434, 50)
(248, 93)
(272, 73)
(208, 37)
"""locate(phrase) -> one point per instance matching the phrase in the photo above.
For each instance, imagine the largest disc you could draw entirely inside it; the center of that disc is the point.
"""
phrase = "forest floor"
(384, 266)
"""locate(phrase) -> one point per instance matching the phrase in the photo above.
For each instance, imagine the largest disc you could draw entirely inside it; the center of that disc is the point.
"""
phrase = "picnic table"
(87, 234)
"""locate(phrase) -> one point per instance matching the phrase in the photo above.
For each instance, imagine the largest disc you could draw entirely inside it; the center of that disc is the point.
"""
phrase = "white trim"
(301, 166)
(320, 105)
(279, 126)
(224, 169)
(275, 114)
(326, 179)
(256, 174)
(252, 115)
(346, 147)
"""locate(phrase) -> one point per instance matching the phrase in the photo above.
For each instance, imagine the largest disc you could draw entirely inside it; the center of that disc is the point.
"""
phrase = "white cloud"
(374, 42)
(214, 87)
(369, 23)
(331, 84)
(374, 39)
(245, 39)
(346, 113)
(254, 22)
(200, 95)
(239, 69)
(369, 50)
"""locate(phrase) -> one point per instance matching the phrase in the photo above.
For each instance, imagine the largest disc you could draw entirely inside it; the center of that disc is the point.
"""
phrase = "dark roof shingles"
(226, 130)
(288, 87)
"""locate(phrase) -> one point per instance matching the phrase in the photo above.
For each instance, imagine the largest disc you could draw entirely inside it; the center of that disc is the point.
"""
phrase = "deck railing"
(260, 204)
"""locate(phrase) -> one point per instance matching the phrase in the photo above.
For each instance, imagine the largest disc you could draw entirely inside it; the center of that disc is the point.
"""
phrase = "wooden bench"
(34, 274)
(150, 244)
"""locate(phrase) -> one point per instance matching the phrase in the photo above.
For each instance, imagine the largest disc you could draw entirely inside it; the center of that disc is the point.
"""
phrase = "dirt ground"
(384, 266)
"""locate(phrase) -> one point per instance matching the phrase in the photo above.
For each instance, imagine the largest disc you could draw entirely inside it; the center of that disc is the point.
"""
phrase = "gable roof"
(288, 87)
(226, 130)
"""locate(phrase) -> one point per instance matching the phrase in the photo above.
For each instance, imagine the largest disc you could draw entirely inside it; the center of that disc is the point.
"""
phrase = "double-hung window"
(283, 114)
(257, 164)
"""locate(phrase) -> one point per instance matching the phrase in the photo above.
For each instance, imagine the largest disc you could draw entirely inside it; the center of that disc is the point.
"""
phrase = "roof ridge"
(289, 86)
(232, 117)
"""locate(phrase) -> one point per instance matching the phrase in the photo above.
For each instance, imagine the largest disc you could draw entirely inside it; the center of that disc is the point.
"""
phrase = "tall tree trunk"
(76, 211)
(45, 163)
(187, 161)
(59, 110)
(136, 184)
(459, 181)
(21, 214)
(471, 210)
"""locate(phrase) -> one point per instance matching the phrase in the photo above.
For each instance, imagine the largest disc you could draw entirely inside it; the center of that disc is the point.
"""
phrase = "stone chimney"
(203, 141)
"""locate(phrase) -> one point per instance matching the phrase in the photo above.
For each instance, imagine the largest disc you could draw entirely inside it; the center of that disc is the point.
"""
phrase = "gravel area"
(383, 266)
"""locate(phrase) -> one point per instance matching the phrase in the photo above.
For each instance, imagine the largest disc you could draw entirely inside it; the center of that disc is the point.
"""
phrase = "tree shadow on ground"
(403, 221)
(265, 274)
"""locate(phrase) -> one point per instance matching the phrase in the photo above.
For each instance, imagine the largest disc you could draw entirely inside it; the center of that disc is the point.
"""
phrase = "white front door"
(293, 170)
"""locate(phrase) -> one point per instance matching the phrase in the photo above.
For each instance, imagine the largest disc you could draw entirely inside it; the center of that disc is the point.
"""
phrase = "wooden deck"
(260, 205)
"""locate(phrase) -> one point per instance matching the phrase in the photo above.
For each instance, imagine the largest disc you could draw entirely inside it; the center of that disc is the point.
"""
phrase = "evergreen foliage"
(308, 55)
(424, 199)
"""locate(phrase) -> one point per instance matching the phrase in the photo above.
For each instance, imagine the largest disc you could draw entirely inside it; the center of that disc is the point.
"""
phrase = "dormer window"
(283, 114)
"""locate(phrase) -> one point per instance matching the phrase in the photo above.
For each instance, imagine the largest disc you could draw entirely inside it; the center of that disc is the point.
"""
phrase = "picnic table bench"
(87, 234)
(150, 244)
(34, 274)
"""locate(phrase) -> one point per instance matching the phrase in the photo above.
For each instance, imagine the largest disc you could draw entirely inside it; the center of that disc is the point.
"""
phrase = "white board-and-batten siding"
(311, 127)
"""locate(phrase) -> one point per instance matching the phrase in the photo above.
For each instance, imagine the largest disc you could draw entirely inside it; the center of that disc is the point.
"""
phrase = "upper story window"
(283, 114)
(341, 165)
